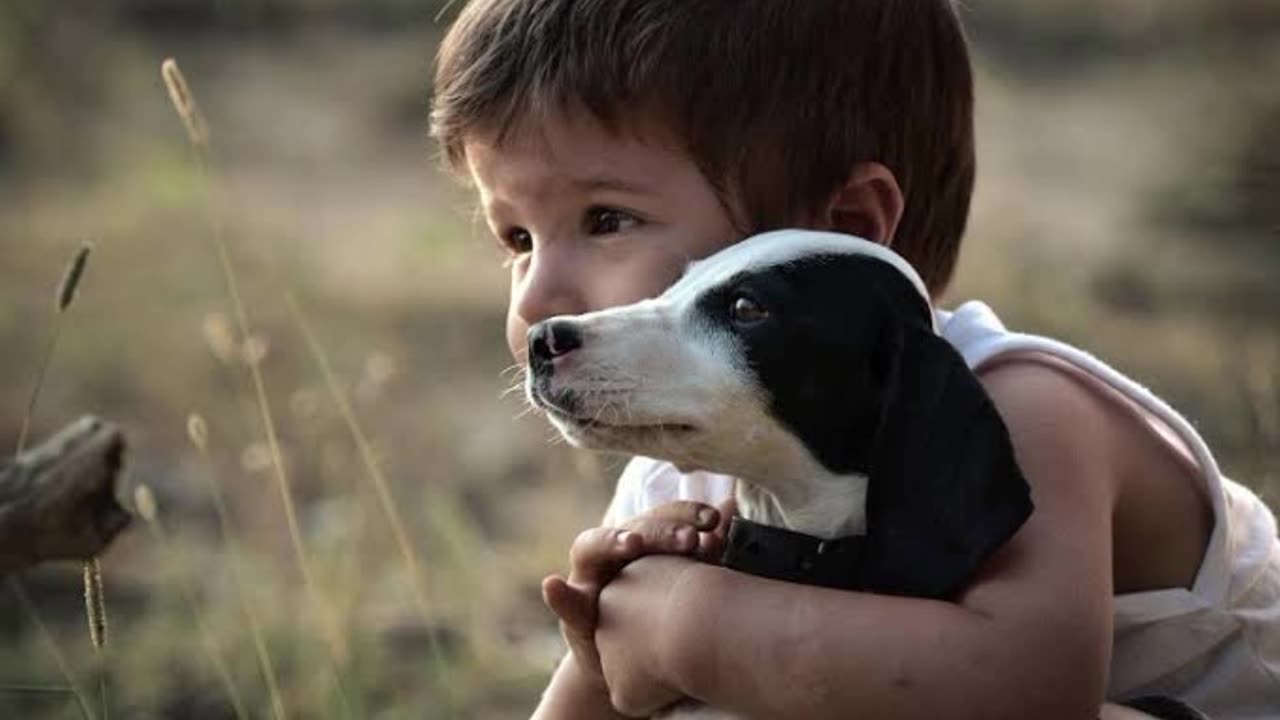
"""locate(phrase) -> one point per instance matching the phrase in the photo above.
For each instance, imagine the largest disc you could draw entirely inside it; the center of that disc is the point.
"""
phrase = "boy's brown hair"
(775, 100)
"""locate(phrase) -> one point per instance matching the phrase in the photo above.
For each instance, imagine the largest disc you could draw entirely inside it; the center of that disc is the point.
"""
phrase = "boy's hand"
(635, 613)
(598, 554)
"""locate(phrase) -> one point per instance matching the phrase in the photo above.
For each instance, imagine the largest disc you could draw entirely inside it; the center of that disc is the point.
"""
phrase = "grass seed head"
(185, 103)
(255, 349)
(198, 432)
(71, 278)
(220, 337)
(95, 604)
(144, 502)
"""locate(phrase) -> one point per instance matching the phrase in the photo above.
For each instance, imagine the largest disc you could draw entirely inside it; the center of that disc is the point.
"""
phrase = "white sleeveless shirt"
(1215, 645)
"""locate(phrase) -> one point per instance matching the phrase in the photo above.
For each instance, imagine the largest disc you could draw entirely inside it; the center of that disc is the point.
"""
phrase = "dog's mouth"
(605, 417)
(567, 409)
(595, 424)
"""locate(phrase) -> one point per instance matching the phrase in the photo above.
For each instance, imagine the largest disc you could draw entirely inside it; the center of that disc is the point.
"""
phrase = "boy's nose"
(551, 339)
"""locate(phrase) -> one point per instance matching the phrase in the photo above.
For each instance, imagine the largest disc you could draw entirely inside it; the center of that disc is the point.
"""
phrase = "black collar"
(782, 554)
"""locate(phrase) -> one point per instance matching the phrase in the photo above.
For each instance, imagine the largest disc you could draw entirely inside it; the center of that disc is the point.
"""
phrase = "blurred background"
(1128, 201)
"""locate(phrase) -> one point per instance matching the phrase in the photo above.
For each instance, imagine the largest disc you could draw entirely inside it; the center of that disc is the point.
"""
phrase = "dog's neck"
(826, 506)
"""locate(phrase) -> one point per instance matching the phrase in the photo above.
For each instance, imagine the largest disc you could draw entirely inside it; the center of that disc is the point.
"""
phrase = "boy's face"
(590, 219)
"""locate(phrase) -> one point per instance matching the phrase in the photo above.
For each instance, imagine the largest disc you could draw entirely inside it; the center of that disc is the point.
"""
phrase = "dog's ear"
(945, 490)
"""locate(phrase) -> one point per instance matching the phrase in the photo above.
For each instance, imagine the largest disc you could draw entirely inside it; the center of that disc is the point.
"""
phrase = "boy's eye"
(517, 240)
(604, 221)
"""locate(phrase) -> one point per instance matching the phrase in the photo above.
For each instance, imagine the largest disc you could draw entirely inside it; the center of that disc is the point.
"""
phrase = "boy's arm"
(577, 689)
(1030, 638)
(571, 696)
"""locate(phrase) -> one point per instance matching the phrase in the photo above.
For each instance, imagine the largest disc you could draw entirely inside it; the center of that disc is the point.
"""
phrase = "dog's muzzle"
(551, 341)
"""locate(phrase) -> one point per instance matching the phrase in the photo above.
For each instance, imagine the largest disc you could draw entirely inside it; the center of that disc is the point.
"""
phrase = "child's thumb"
(574, 606)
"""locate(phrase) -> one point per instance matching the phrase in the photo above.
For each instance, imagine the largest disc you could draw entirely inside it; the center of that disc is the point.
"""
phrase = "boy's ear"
(868, 206)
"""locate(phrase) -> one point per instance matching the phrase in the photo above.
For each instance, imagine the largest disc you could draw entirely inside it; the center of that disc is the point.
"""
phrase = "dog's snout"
(553, 338)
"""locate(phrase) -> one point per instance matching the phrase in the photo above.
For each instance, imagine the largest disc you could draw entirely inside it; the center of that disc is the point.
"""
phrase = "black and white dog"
(806, 365)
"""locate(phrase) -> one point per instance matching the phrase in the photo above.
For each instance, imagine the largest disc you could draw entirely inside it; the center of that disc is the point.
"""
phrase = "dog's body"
(805, 365)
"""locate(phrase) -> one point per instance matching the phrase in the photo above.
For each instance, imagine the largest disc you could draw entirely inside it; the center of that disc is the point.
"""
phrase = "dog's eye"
(744, 310)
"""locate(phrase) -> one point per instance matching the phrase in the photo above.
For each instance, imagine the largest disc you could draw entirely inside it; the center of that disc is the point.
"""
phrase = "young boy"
(613, 141)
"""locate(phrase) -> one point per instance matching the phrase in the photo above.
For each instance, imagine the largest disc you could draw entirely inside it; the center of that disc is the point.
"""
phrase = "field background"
(1128, 201)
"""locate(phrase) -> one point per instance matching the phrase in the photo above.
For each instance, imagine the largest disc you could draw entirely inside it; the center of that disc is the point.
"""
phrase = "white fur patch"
(782, 246)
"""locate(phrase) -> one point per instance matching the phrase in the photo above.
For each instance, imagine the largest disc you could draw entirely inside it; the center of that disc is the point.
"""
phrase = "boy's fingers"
(674, 527)
(577, 612)
(685, 512)
(661, 536)
(710, 547)
(598, 553)
(573, 606)
(711, 544)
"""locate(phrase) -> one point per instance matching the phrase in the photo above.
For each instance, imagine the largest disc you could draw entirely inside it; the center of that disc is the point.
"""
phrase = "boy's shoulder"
(1076, 436)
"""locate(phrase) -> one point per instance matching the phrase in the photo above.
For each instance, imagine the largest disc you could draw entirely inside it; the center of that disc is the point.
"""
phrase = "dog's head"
(788, 357)
(768, 360)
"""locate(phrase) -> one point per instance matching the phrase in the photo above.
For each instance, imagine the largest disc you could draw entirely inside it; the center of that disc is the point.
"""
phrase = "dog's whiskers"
(627, 409)
(600, 411)
(516, 373)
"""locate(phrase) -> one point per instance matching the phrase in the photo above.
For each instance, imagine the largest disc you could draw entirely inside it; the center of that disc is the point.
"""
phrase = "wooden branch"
(58, 500)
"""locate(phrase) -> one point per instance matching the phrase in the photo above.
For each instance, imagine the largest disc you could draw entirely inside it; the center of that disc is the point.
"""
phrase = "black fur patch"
(849, 362)
(823, 355)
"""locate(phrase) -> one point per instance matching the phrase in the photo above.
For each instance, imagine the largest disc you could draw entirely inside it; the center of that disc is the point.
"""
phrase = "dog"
(808, 366)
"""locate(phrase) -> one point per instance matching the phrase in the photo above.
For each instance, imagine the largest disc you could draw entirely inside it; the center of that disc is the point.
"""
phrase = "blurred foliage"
(233, 15)
(1227, 219)
(1241, 211)
(1063, 37)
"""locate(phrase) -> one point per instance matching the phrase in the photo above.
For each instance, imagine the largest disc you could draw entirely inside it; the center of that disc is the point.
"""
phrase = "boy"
(612, 141)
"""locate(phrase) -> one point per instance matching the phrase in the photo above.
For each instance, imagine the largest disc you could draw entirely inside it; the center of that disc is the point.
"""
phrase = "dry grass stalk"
(30, 608)
(67, 287)
(94, 601)
(185, 104)
(145, 503)
(198, 432)
(96, 607)
(373, 471)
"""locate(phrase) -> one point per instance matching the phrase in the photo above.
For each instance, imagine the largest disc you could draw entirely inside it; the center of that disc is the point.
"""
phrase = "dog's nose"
(552, 338)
